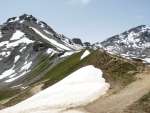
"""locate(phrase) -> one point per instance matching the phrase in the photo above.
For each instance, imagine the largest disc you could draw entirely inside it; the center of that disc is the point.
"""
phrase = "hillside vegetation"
(117, 71)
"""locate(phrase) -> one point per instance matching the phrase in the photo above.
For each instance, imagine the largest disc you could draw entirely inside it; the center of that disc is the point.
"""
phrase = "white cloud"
(83, 2)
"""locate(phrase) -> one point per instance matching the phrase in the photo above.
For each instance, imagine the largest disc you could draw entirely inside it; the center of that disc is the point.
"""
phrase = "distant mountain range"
(134, 43)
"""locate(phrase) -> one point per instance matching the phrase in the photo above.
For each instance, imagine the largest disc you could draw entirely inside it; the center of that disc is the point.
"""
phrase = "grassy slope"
(61, 70)
(117, 71)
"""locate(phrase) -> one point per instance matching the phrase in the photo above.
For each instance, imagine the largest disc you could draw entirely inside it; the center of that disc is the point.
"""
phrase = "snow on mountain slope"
(44, 31)
(134, 43)
(9, 54)
(17, 35)
(146, 60)
(24, 42)
(68, 54)
(79, 88)
(52, 41)
(85, 54)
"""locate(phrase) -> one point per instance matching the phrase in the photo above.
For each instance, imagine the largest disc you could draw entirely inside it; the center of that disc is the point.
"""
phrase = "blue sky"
(90, 20)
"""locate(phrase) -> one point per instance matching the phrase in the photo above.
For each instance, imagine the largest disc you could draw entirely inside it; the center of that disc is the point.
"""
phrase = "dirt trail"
(116, 103)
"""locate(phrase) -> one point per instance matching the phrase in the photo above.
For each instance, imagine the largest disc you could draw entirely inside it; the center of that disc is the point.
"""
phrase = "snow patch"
(17, 35)
(16, 43)
(3, 53)
(3, 43)
(15, 78)
(16, 58)
(21, 21)
(14, 19)
(7, 53)
(1, 34)
(146, 60)
(78, 89)
(67, 54)
(21, 50)
(85, 54)
(26, 65)
(48, 32)
(49, 50)
(7, 73)
(16, 86)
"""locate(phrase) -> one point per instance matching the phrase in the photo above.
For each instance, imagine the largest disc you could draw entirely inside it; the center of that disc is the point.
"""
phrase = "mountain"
(25, 43)
(34, 58)
(134, 43)
(117, 71)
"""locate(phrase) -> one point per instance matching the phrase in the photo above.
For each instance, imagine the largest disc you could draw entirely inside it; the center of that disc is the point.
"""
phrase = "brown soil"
(116, 103)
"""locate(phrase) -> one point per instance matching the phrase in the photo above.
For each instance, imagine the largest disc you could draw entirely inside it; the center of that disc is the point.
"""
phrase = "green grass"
(5, 94)
(41, 66)
(116, 70)
(22, 95)
(61, 70)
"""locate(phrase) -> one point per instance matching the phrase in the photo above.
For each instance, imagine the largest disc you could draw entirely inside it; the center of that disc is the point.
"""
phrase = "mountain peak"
(25, 43)
(24, 17)
(139, 28)
(134, 43)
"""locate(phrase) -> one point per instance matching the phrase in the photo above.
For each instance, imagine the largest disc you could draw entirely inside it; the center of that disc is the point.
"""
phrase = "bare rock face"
(77, 41)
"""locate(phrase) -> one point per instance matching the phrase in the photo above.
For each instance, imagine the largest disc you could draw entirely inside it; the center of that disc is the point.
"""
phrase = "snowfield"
(85, 54)
(79, 88)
